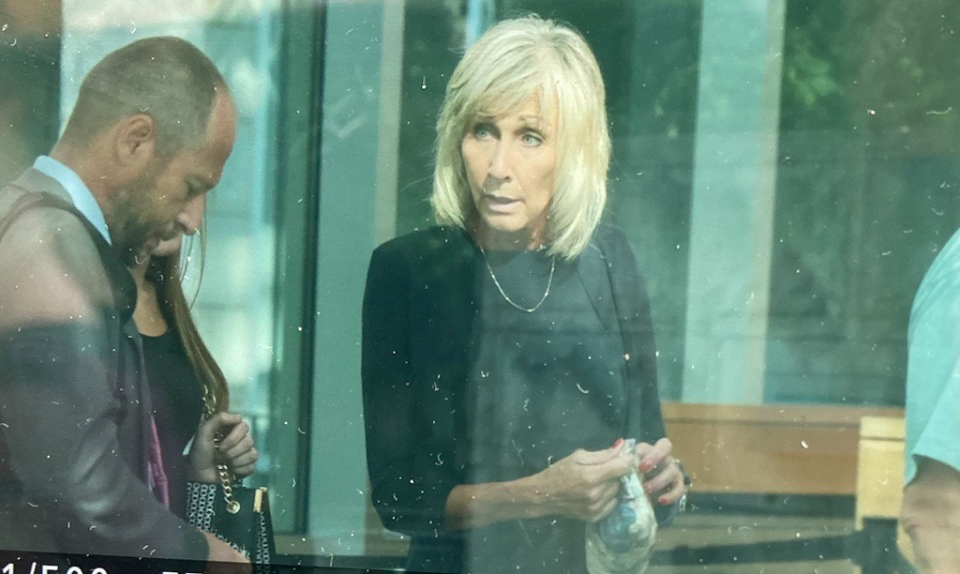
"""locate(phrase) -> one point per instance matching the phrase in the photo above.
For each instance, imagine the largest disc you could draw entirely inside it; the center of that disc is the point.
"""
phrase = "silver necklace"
(553, 267)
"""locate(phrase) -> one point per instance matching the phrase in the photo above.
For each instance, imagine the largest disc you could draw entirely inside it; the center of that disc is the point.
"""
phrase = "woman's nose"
(500, 161)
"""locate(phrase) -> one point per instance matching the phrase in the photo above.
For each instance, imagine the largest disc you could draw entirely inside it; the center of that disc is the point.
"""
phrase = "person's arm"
(664, 481)
(411, 465)
(930, 511)
(931, 516)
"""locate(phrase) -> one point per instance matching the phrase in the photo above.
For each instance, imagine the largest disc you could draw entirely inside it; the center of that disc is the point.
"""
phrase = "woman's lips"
(500, 204)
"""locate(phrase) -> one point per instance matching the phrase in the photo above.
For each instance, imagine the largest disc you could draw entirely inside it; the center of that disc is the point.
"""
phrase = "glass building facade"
(785, 171)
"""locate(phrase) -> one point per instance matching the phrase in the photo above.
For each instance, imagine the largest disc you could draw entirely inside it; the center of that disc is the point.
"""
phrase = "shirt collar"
(79, 193)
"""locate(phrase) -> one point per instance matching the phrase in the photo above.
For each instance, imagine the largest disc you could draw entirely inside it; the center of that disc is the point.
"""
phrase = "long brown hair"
(164, 273)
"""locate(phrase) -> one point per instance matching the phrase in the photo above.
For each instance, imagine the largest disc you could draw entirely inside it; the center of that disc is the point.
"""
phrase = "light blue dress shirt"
(79, 193)
(933, 365)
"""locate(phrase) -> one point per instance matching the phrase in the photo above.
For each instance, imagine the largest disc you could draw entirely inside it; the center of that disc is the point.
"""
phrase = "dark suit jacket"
(74, 406)
(418, 318)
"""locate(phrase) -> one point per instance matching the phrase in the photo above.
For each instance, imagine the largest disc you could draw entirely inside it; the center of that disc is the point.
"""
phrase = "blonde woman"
(508, 348)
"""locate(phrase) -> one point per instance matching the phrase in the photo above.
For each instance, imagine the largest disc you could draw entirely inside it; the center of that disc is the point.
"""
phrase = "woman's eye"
(532, 139)
(482, 131)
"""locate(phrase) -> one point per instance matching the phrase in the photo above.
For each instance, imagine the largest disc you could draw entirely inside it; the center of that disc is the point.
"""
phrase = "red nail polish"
(617, 443)
(662, 500)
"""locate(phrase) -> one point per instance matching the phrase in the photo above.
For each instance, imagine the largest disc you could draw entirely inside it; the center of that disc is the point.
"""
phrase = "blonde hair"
(511, 62)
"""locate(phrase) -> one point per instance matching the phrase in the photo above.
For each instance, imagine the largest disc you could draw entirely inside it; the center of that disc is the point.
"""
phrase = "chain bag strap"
(227, 478)
(238, 515)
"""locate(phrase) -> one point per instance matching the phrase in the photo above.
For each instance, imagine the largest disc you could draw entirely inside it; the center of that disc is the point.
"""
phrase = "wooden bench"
(880, 468)
(801, 450)
(880, 477)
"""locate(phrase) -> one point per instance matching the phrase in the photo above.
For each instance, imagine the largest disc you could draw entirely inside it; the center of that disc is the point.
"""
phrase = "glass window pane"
(784, 174)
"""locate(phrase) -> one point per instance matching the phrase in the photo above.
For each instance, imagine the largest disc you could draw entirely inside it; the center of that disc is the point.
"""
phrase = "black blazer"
(418, 316)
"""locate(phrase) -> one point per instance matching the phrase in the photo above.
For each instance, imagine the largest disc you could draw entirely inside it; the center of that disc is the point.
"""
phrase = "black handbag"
(236, 514)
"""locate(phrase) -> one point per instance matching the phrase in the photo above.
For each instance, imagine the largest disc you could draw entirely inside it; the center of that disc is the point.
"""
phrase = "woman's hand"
(663, 477)
(223, 559)
(584, 485)
(236, 448)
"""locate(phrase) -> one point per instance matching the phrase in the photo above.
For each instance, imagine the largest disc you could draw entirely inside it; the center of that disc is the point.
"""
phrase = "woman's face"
(510, 163)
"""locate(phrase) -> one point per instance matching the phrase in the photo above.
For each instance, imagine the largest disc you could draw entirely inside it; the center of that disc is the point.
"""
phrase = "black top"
(544, 383)
(177, 398)
(433, 320)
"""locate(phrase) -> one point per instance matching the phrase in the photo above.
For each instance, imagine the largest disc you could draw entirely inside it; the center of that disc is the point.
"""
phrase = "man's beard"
(130, 224)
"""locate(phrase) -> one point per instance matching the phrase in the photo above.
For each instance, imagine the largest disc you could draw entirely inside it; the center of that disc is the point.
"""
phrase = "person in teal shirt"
(931, 502)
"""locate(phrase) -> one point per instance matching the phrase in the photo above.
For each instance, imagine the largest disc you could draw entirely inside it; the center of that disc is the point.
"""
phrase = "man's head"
(153, 126)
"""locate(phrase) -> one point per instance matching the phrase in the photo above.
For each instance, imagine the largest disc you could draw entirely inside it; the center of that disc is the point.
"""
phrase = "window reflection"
(784, 172)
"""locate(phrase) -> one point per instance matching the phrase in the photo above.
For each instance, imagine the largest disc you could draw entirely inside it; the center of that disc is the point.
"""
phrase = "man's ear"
(136, 142)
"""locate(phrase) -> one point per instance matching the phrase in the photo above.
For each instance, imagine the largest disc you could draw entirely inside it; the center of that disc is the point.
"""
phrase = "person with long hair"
(509, 351)
(185, 381)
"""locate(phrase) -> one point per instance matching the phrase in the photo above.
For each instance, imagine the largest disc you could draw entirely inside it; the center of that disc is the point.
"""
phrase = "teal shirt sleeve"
(933, 367)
